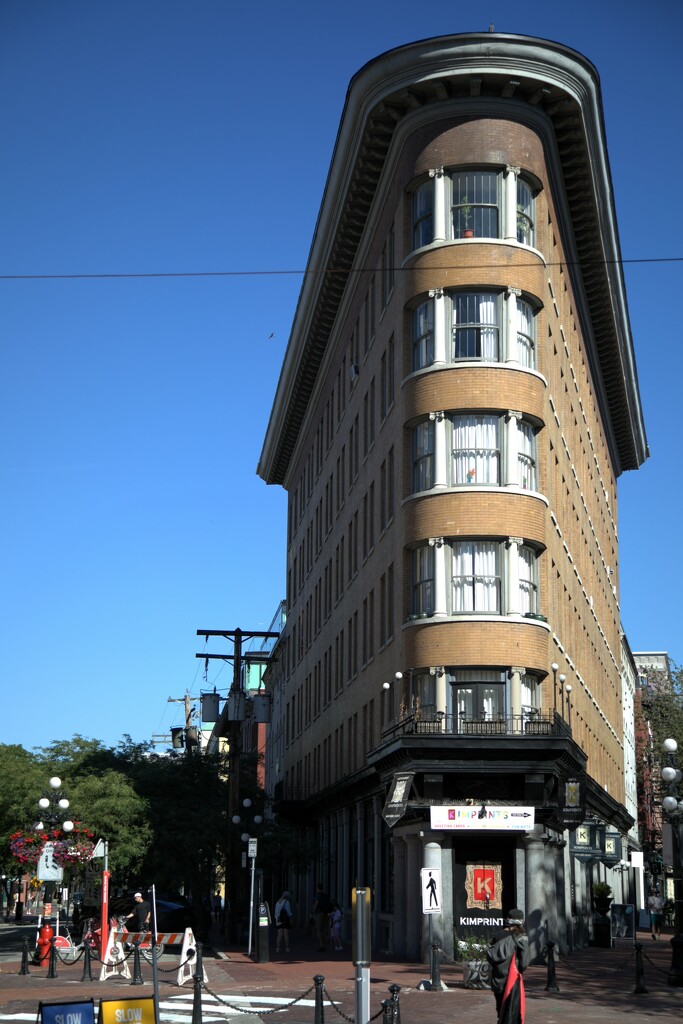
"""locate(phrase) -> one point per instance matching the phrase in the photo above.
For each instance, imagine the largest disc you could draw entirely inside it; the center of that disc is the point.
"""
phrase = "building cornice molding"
(429, 80)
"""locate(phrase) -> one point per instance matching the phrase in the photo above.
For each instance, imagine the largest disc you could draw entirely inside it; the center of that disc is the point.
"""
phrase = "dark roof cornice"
(430, 79)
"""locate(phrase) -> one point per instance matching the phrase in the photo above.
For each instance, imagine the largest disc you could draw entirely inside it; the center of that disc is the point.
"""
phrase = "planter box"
(477, 974)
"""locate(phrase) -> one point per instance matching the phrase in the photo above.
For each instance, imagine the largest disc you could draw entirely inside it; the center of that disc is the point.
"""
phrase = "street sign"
(431, 890)
(482, 817)
(48, 869)
(251, 849)
(397, 798)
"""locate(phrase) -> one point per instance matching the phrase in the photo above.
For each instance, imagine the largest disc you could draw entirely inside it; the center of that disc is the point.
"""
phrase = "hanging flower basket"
(75, 847)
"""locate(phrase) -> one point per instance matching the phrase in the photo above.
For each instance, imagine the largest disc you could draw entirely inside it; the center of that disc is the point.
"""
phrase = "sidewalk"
(596, 986)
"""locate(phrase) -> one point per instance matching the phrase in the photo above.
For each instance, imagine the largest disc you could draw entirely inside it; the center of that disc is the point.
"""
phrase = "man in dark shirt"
(140, 913)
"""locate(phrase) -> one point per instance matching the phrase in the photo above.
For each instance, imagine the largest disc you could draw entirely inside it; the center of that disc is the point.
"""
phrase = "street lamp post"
(54, 807)
(251, 852)
(672, 806)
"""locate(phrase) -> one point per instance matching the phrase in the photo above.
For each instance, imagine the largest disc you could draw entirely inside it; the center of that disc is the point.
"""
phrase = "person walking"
(283, 922)
(655, 904)
(336, 927)
(322, 908)
(508, 955)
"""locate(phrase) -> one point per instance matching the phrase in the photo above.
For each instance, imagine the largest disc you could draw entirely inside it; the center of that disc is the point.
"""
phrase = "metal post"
(198, 982)
(395, 989)
(435, 978)
(137, 973)
(52, 969)
(251, 900)
(319, 1016)
(640, 974)
(24, 959)
(87, 962)
(551, 983)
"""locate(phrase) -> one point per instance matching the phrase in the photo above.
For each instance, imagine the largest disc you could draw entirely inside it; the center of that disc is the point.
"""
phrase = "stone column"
(440, 455)
(510, 354)
(439, 298)
(400, 939)
(512, 418)
(431, 858)
(516, 673)
(413, 897)
(537, 895)
(513, 604)
(510, 203)
(439, 204)
(440, 602)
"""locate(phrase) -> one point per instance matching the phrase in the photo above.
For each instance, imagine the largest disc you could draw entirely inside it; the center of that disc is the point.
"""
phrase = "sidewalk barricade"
(114, 959)
(188, 959)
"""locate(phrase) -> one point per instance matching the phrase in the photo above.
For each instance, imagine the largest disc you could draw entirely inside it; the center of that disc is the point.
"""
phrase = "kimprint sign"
(488, 819)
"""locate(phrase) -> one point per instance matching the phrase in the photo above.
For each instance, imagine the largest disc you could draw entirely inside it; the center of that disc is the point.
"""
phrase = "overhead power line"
(326, 270)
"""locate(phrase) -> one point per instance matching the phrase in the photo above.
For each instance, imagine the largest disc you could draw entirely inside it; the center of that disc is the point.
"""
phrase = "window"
(475, 204)
(526, 456)
(476, 576)
(477, 695)
(423, 214)
(525, 209)
(423, 456)
(526, 346)
(487, 326)
(423, 695)
(423, 335)
(476, 450)
(423, 580)
(387, 370)
(528, 586)
(475, 326)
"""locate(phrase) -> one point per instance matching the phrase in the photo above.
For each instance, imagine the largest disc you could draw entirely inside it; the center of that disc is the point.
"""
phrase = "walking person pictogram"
(431, 886)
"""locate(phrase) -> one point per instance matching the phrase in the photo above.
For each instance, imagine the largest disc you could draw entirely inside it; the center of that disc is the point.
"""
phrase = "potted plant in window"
(465, 219)
(471, 952)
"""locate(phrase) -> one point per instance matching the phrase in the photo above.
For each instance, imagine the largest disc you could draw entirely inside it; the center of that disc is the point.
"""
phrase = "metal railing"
(441, 724)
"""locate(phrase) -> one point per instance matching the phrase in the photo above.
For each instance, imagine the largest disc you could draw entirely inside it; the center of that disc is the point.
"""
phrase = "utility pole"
(190, 739)
(230, 720)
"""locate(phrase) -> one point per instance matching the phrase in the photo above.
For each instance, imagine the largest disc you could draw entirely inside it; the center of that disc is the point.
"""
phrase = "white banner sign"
(481, 817)
(48, 870)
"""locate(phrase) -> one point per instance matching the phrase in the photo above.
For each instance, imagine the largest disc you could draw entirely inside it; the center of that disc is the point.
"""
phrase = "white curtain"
(476, 582)
(530, 691)
(526, 458)
(476, 455)
(526, 350)
(475, 326)
(527, 580)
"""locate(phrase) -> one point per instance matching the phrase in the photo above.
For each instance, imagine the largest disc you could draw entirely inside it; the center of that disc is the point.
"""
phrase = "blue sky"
(167, 136)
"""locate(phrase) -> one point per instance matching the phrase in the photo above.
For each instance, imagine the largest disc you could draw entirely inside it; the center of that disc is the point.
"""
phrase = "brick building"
(457, 400)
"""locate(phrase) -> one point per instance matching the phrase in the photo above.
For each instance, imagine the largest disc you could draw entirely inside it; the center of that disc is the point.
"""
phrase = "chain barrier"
(446, 957)
(262, 1013)
(146, 954)
(603, 972)
(662, 970)
(341, 1013)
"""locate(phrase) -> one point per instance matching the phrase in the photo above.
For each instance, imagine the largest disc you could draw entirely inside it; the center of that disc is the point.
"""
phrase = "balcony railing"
(524, 725)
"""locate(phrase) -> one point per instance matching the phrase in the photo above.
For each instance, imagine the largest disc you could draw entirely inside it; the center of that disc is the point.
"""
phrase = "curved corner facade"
(457, 401)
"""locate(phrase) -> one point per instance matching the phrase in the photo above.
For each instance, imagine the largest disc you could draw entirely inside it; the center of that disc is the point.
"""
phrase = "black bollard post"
(87, 963)
(52, 968)
(395, 989)
(137, 970)
(387, 1011)
(198, 981)
(435, 978)
(640, 989)
(319, 1016)
(551, 984)
(24, 959)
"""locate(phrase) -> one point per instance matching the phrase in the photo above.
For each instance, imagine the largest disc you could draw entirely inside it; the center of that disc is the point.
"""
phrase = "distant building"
(457, 400)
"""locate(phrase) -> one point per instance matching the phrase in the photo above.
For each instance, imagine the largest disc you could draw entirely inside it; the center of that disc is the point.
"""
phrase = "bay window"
(473, 203)
(483, 326)
(487, 577)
